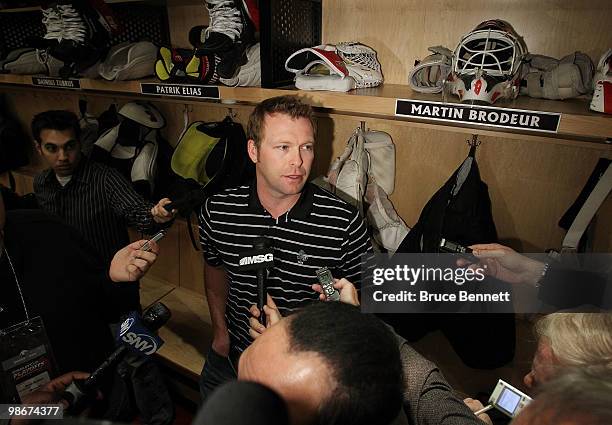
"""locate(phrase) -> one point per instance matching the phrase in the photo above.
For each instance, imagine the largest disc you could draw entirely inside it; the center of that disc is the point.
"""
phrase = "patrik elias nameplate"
(479, 115)
(180, 90)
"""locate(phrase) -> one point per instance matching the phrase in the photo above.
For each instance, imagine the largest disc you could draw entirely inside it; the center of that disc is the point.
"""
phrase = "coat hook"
(362, 125)
(474, 142)
(231, 114)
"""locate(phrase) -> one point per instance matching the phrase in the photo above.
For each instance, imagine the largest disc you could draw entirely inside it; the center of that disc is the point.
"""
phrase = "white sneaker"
(23, 61)
(249, 74)
(129, 61)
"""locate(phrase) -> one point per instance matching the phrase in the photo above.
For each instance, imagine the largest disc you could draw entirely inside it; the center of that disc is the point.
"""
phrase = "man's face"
(302, 379)
(543, 367)
(60, 150)
(284, 158)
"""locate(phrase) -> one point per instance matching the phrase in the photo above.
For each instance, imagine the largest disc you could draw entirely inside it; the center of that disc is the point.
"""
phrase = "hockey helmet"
(487, 63)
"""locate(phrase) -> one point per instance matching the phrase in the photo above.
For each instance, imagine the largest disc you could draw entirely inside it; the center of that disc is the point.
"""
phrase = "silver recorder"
(508, 399)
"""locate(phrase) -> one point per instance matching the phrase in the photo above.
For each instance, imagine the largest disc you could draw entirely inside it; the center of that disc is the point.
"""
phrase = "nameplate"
(517, 119)
(58, 83)
(180, 90)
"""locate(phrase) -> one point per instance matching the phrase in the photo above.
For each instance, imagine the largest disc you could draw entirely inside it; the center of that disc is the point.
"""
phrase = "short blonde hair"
(578, 339)
(291, 106)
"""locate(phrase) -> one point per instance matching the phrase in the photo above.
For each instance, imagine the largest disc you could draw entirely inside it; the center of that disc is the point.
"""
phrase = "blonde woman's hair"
(578, 339)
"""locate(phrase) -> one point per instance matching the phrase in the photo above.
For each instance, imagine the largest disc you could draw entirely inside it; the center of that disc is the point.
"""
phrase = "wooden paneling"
(401, 31)
(183, 17)
(530, 184)
(188, 333)
(166, 267)
(192, 261)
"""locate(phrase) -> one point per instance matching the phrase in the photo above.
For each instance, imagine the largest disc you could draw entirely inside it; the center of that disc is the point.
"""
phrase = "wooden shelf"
(577, 121)
(188, 334)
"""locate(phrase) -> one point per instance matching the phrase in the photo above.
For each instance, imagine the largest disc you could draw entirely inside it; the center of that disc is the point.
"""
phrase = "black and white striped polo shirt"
(320, 230)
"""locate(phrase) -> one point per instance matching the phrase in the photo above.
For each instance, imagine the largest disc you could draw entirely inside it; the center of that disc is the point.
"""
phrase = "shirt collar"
(82, 173)
(301, 209)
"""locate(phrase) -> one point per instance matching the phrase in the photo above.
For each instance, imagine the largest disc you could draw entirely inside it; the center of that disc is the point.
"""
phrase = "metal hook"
(362, 125)
(231, 114)
(474, 142)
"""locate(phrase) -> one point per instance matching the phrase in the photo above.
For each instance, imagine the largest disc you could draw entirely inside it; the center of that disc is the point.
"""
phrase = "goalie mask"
(487, 63)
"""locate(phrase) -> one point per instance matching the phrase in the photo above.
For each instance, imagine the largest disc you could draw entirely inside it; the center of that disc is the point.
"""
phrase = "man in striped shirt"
(92, 197)
(309, 227)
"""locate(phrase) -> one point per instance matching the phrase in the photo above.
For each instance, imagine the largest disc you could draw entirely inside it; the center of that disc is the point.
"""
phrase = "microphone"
(136, 335)
(243, 403)
(259, 259)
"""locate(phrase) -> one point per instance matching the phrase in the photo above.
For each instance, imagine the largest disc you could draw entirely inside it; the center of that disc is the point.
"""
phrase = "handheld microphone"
(135, 334)
(259, 259)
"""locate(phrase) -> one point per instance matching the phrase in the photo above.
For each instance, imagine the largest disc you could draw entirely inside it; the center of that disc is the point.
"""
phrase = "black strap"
(190, 230)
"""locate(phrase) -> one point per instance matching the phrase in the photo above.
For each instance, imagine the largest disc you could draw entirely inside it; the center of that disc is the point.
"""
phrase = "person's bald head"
(331, 364)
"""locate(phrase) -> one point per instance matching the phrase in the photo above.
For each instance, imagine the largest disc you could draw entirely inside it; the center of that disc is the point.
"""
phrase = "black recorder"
(455, 248)
(327, 284)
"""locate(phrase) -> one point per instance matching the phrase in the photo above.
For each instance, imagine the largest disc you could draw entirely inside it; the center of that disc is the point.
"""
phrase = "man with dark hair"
(100, 203)
(428, 399)
(48, 270)
(309, 228)
(331, 364)
(92, 197)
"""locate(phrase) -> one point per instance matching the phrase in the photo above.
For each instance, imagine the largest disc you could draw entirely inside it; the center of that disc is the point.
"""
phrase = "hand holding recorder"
(132, 262)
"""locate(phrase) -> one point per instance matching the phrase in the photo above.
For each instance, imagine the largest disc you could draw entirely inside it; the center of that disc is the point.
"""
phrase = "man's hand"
(131, 263)
(475, 406)
(505, 264)
(273, 316)
(159, 213)
(52, 392)
(348, 293)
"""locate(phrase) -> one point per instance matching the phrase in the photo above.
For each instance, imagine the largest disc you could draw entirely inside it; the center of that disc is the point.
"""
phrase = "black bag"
(232, 169)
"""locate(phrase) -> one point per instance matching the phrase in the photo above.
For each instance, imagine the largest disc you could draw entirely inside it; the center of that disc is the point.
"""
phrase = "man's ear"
(252, 150)
(38, 147)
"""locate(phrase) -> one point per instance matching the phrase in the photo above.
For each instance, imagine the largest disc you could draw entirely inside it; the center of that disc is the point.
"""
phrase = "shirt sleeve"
(127, 203)
(207, 242)
(357, 251)
(567, 288)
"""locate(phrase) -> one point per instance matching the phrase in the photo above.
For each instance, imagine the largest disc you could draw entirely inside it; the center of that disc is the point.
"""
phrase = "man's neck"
(275, 204)
(63, 180)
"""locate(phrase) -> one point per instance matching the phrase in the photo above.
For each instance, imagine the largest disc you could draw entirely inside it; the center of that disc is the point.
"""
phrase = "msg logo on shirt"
(256, 259)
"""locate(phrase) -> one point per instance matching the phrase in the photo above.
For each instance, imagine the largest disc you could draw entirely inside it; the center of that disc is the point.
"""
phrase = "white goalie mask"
(487, 63)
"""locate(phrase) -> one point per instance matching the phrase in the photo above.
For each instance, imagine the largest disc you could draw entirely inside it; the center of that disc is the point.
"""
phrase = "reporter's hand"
(475, 406)
(160, 214)
(348, 292)
(273, 316)
(503, 263)
(51, 392)
(131, 263)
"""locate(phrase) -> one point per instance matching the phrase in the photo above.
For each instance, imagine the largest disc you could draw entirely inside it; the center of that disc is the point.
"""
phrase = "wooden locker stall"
(532, 177)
